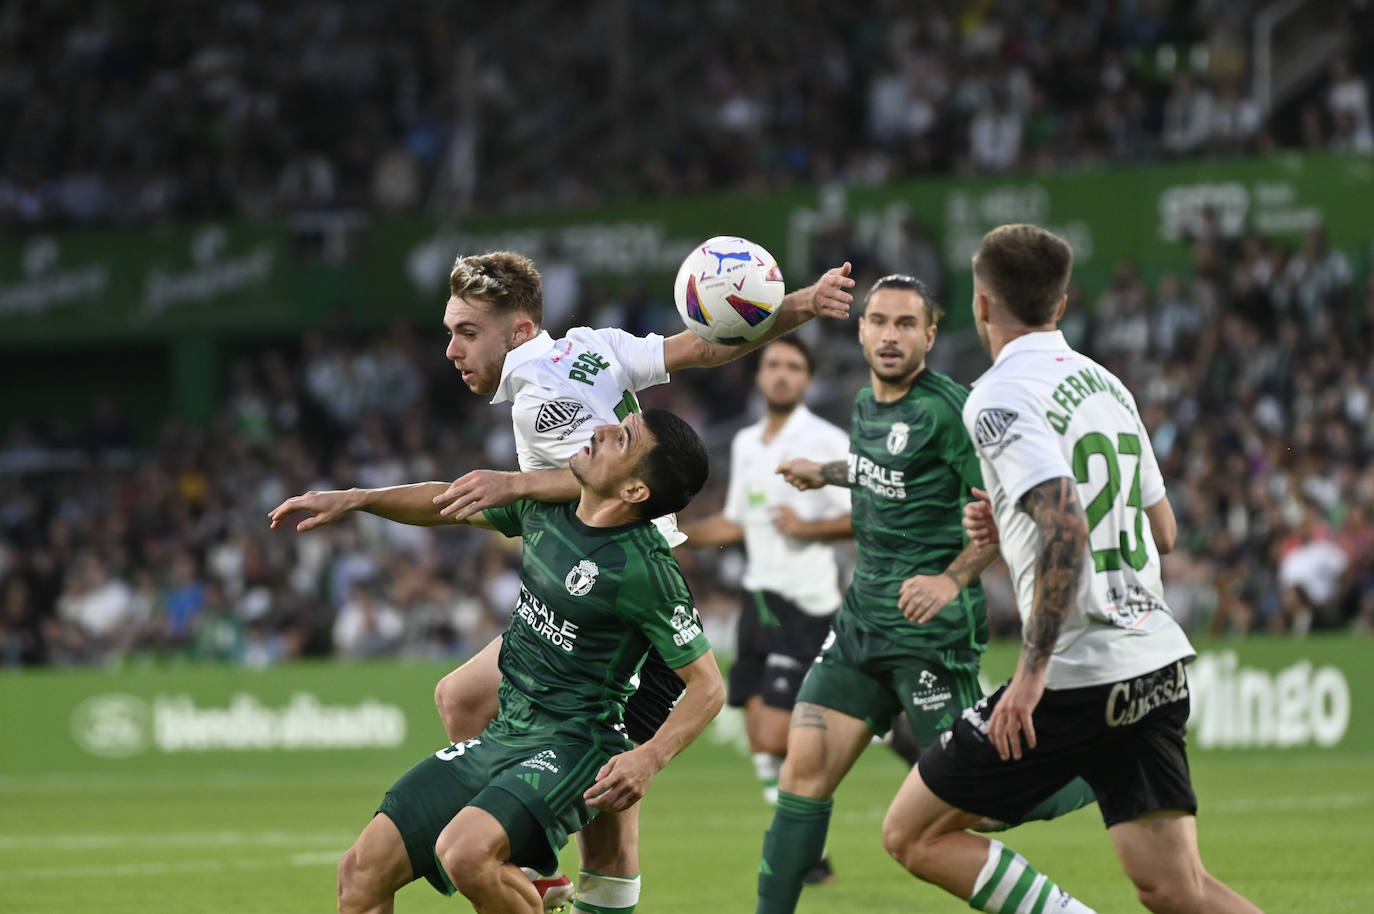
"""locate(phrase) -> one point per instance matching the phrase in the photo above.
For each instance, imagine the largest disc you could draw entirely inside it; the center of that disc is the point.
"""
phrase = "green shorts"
(534, 792)
(872, 678)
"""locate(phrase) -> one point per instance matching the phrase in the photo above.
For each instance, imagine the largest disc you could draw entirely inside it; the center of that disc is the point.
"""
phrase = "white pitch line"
(97, 840)
(161, 868)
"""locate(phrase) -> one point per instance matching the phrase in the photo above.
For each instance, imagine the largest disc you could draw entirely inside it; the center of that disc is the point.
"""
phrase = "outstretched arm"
(806, 474)
(622, 781)
(821, 530)
(482, 489)
(1063, 529)
(826, 298)
(716, 530)
(410, 504)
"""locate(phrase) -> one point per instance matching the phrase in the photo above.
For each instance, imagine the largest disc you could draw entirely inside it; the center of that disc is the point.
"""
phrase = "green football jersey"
(911, 464)
(592, 601)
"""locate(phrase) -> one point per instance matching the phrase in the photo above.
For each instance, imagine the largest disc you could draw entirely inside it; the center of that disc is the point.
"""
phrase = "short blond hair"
(505, 280)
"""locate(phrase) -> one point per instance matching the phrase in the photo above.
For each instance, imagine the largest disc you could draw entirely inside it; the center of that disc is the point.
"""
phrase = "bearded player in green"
(913, 625)
(598, 587)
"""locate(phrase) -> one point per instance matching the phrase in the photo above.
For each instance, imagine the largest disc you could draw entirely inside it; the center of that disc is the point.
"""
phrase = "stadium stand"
(1253, 368)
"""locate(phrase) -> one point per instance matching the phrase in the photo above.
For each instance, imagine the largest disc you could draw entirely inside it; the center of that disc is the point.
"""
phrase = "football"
(728, 289)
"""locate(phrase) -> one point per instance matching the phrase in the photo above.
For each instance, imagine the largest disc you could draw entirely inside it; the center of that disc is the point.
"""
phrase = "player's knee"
(1171, 896)
(806, 774)
(903, 844)
(468, 869)
(463, 716)
(354, 894)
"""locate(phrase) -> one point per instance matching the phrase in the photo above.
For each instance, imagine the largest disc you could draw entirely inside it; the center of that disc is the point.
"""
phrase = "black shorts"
(659, 689)
(1126, 739)
(776, 643)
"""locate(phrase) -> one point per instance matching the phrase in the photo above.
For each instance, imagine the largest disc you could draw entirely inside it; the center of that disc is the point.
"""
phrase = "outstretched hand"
(476, 491)
(327, 507)
(801, 473)
(830, 298)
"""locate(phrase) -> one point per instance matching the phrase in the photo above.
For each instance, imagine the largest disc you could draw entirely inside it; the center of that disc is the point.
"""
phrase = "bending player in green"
(599, 586)
(913, 625)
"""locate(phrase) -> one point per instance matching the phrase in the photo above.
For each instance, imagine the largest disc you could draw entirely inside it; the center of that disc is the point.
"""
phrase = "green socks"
(791, 846)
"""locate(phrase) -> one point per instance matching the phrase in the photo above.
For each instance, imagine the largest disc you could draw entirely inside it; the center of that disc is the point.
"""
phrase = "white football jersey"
(562, 389)
(1044, 411)
(803, 571)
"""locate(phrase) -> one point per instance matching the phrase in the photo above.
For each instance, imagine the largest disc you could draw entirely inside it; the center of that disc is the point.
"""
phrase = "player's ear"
(982, 307)
(634, 490)
(522, 330)
(1059, 312)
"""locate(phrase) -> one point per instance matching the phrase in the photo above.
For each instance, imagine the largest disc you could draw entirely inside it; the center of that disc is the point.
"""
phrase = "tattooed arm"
(1058, 516)
(808, 474)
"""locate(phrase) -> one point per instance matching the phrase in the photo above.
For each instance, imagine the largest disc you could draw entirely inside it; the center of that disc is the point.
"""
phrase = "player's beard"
(784, 405)
(906, 367)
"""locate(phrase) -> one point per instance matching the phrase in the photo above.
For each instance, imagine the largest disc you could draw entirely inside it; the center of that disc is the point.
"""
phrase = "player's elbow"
(713, 694)
(710, 686)
(1163, 526)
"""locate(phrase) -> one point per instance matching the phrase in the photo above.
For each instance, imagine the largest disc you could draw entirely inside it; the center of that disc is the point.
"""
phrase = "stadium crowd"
(141, 112)
(1253, 372)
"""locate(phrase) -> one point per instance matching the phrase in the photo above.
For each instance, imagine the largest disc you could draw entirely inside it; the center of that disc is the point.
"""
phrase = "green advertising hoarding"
(1259, 695)
(264, 276)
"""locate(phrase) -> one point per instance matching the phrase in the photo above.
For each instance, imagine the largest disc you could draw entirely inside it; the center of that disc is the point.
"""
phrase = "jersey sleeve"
(510, 520)
(654, 599)
(641, 357)
(958, 451)
(1009, 432)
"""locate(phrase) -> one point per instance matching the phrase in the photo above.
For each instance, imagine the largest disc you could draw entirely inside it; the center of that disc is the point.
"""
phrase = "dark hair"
(1026, 268)
(798, 345)
(677, 466)
(934, 310)
(506, 280)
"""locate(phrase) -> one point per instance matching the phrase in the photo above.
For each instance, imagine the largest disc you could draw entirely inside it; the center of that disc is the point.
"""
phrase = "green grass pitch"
(1292, 830)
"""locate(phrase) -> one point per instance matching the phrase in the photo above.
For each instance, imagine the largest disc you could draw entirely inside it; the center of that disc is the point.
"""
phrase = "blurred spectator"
(238, 110)
(1252, 373)
(366, 626)
(1188, 117)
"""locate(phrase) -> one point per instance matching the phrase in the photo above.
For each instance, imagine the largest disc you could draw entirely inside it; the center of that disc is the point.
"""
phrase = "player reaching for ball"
(559, 390)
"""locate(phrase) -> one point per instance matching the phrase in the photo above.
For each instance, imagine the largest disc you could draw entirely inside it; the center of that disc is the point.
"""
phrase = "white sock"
(1007, 884)
(606, 894)
(768, 766)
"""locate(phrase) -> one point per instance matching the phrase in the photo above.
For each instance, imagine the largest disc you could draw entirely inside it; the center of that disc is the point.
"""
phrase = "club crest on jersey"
(556, 414)
(580, 580)
(897, 437)
(991, 425)
(684, 623)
